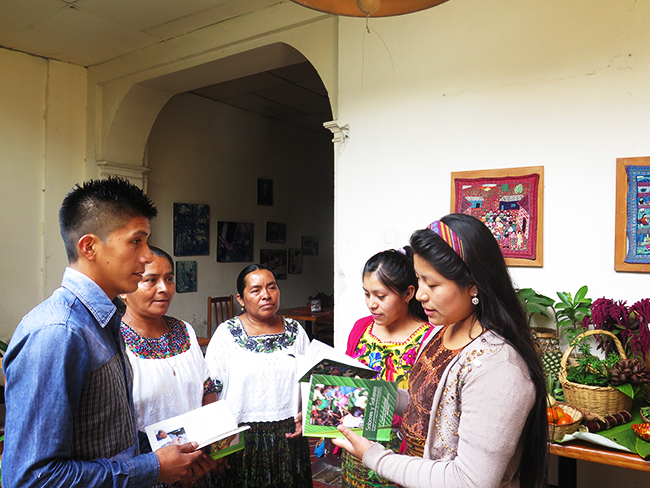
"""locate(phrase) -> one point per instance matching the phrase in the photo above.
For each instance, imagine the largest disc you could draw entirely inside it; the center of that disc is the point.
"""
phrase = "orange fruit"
(566, 419)
(552, 415)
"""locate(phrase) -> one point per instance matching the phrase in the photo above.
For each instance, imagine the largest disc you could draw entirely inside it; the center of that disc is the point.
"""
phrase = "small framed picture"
(265, 192)
(295, 261)
(186, 276)
(276, 232)
(276, 259)
(191, 229)
(309, 245)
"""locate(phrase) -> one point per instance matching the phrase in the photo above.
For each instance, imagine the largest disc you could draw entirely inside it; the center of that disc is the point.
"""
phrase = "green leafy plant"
(535, 303)
(591, 370)
(570, 313)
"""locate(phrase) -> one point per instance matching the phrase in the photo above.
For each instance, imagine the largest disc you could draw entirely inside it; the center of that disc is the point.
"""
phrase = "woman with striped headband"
(476, 412)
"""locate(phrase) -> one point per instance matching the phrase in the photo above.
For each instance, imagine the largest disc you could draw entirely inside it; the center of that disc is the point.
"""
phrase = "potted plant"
(571, 312)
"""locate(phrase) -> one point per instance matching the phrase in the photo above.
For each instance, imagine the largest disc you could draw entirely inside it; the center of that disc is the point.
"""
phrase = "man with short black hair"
(70, 418)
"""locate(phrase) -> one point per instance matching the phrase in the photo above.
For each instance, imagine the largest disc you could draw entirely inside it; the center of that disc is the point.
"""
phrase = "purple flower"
(360, 352)
(409, 356)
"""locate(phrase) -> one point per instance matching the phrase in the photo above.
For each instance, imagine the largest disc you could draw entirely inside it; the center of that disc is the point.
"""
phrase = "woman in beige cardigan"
(476, 415)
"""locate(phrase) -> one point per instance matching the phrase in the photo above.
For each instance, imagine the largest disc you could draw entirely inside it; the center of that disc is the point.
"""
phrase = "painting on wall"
(191, 229)
(275, 259)
(276, 232)
(632, 241)
(510, 203)
(234, 242)
(265, 192)
(310, 245)
(295, 261)
(186, 276)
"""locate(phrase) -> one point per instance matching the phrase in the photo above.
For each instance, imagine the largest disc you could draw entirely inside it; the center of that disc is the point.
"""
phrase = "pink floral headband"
(449, 236)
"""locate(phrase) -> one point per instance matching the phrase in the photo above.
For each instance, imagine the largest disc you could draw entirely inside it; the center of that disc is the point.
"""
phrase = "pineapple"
(551, 363)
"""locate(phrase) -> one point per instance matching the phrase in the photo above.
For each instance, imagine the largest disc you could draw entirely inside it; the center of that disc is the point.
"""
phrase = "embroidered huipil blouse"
(257, 373)
(392, 360)
(170, 375)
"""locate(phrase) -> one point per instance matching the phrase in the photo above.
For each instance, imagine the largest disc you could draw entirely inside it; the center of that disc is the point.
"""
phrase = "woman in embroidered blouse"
(387, 341)
(170, 375)
(477, 394)
(253, 357)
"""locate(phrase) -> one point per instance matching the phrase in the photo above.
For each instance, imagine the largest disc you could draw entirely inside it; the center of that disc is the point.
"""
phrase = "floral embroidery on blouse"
(170, 344)
(392, 360)
(210, 386)
(266, 343)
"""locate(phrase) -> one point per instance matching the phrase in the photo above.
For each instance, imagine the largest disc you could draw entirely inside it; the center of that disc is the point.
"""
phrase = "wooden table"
(306, 315)
(586, 451)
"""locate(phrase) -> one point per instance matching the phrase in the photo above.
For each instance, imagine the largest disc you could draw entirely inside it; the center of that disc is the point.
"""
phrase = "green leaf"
(626, 388)
(526, 292)
(546, 301)
(581, 293)
(564, 297)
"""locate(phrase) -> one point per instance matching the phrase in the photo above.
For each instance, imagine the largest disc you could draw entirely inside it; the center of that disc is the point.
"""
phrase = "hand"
(353, 443)
(222, 466)
(298, 432)
(179, 462)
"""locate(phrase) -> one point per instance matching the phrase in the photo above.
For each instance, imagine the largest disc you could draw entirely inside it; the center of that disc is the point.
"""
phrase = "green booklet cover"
(364, 406)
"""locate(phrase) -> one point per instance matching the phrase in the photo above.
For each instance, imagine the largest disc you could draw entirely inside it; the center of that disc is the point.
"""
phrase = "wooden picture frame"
(623, 231)
(516, 194)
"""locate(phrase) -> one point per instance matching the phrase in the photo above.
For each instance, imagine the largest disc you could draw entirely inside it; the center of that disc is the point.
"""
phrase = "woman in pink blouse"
(387, 341)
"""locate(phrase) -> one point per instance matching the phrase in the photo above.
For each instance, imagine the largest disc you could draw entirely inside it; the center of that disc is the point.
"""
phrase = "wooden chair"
(221, 308)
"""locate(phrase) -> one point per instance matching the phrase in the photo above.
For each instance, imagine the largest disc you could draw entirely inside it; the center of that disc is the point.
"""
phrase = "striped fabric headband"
(448, 236)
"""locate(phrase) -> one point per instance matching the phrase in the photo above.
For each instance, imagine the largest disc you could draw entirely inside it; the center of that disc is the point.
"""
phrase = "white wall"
(474, 85)
(206, 152)
(42, 131)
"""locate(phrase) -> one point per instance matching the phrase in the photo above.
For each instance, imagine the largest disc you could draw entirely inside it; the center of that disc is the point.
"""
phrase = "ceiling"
(294, 94)
(90, 32)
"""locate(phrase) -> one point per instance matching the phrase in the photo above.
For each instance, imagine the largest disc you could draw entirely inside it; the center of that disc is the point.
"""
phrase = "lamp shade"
(362, 8)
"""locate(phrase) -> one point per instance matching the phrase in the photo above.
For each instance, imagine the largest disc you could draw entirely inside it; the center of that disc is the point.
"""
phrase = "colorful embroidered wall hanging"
(508, 206)
(638, 214)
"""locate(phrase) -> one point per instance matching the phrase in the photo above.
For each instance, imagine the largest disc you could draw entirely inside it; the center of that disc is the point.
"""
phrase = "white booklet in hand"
(320, 358)
(211, 425)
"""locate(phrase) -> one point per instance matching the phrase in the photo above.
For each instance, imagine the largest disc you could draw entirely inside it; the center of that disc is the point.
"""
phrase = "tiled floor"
(326, 470)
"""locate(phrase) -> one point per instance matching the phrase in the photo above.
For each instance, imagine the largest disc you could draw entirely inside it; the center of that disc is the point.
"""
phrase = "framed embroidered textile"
(632, 237)
(510, 203)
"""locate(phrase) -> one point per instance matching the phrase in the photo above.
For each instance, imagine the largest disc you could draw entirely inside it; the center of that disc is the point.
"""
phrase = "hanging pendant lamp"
(369, 8)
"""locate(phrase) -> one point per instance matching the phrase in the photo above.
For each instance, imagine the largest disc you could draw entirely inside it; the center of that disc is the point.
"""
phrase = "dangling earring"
(474, 300)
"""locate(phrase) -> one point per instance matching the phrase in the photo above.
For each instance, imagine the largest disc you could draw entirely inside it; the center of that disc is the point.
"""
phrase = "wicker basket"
(557, 432)
(644, 418)
(545, 340)
(602, 400)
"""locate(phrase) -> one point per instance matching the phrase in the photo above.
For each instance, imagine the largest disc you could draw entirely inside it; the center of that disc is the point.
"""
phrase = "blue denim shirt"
(68, 420)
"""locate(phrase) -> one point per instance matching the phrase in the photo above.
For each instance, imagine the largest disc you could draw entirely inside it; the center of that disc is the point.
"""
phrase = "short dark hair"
(100, 207)
(499, 310)
(241, 279)
(395, 271)
(156, 251)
